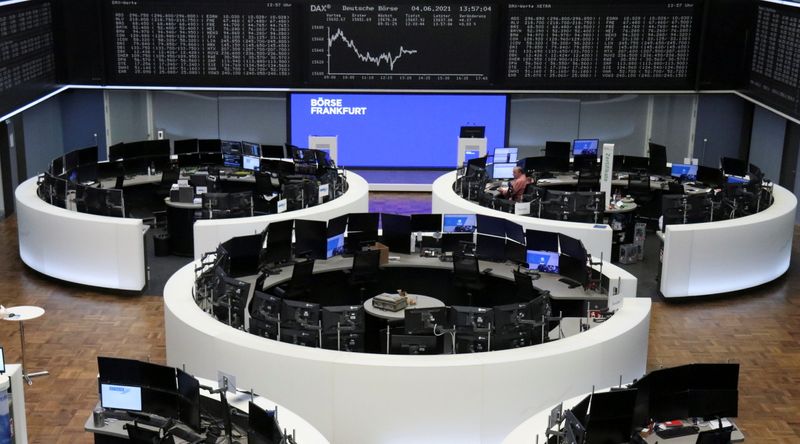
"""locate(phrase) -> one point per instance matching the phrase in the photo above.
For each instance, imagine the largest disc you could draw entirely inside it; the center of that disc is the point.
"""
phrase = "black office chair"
(467, 275)
(719, 436)
(588, 180)
(139, 435)
(648, 208)
(675, 188)
(525, 288)
(168, 178)
(366, 265)
(302, 278)
(119, 182)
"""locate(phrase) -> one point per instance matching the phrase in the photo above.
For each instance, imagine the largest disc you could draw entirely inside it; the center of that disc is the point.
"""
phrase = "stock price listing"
(404, 44)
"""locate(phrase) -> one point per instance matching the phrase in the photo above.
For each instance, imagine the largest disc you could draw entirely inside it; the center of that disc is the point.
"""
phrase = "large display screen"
(188, 42)
(27, 55)
(390, 130)
(397, 43)
(775, 63)
(580, 43)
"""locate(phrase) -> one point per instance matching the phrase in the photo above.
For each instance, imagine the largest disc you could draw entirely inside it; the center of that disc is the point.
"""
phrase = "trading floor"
(757, 328)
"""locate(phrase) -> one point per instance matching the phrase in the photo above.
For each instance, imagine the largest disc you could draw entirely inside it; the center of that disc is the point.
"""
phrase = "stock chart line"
(386, 57)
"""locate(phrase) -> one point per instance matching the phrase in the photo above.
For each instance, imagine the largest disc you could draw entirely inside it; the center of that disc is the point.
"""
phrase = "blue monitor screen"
(390, 130)
(503, 170)
(335, 246)
(505, 155)
(585, 147)
(684, 171)
(459, 223)
(121, 397)
(544, 261)
(737, 179)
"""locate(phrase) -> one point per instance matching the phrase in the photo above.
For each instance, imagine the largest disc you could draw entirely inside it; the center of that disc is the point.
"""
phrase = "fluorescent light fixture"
(34, 103)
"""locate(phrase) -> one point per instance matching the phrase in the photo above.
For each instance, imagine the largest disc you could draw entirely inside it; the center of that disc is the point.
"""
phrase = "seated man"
(517, 185)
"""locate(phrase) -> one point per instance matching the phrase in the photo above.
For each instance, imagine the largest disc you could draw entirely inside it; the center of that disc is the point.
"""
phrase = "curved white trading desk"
(718, 257)
(596, 238)
(209, 233)
(369, 398)
(77, 247)
(109, 252)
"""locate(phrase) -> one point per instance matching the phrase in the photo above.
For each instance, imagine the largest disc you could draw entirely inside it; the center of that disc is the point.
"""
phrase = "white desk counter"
(718, 257)
(596, 238)
(77, 247)
(209, 233)
(371, 398)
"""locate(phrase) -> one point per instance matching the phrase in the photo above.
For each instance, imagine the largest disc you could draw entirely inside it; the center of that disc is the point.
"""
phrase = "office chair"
(639, 188)
(139, 435)
(302, 278)
(675, 188)
(588, 180)
(168, 177)
(719, 436)
(466, 275)
(525, 288)
(119, 182)
(366, 265)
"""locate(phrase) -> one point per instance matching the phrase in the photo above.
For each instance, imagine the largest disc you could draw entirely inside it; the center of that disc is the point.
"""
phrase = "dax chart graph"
(400, 43)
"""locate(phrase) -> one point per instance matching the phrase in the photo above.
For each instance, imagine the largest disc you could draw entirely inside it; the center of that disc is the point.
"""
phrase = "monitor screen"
(490, 248)
(544, 261)
(515, 232)
(251, 149)
(459, 223)
(273, 151)
(505, 155)
(335, 246)
(185, 146)
(503, 170)
(736, 179)
(585, 147)
(396, 232)
(2, 361)
(491, 225)
(251, 163)
(426, 223)
(684, 171)
(121, 397)
(541, 240)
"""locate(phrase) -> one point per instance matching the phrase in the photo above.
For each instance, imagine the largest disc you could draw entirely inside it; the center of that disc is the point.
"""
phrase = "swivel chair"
(525, 288)
(140, 435)
(366, 265)
(168, 177)
(588, 180)
(466, 275)
(718, 436)
(300, 283)
(639, 188)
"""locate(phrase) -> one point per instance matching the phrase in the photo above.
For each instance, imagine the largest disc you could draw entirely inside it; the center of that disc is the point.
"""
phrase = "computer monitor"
(115, 152)
(185, 146)
(516, 253)
(505, 155)
(2, 361)
(396, 232)
(265, 306)
(422, 320)
(515, 232)
(476, 164)
(152, 148)
(87, 156)
(305, 338)
(251, 149)
(348, 318)
(459, 223)
(737, 179)
(611, 417)
(471, 318)
(733, 166)
(685, 172)
(585, 147)
(571, 246)
(490, 248)
(544, 261)
(472, 342)
(189, 400)
(231, 153)
(508, 316)
(363, 222)
(581, 409)
(491, 225)
(426, 223)
(209, 145)
(636, 163)
(658, 158)
(415, 345)
(262, 426)
(278, 247)
(573, 269)
(251, 163)
(541, 240)
(502, 171)
(512, 338)
(120, 397)
(273, 152)
(472, 132)
(335, 246)
(299, 313)
(310, 239)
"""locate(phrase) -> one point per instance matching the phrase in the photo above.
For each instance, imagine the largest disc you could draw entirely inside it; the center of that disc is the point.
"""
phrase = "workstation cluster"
(691, 403)
(142, 402)
(483, 311)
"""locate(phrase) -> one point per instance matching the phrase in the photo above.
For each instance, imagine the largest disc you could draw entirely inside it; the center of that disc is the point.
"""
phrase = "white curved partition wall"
(109, 252)
(718, 257)
(596, 238)
(209, 233)
(371, 398)
(77, 247)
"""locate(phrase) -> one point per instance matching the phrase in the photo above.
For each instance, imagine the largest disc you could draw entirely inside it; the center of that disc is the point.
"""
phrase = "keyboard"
(675, 432)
